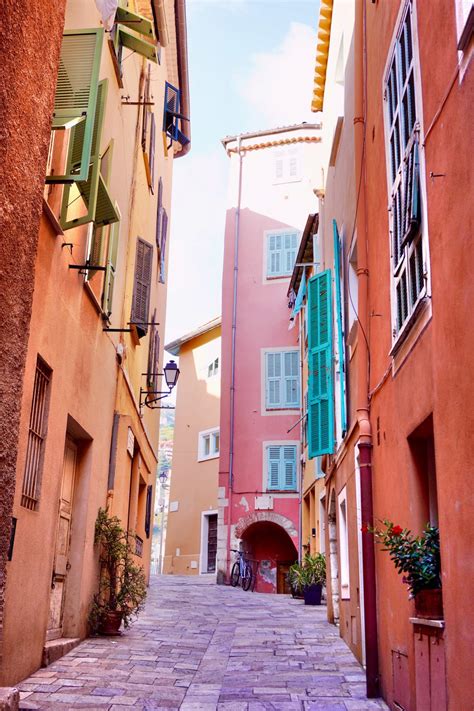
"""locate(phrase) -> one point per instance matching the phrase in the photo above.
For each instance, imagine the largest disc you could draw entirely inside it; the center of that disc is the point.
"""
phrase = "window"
(282, 389)
(209, 444)
(30, 492)
(213, 368)
(88, 200)
(407, 246)
(287, 165)
(281, 467)
(344, 545)
(141, 288)
(172, 116)
(135, 33)
(281, 253)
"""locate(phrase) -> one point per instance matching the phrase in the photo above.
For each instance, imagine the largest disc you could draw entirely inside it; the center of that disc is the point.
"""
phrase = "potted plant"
(122, 584)
(313, 578)
(295, 581)
(417, 558)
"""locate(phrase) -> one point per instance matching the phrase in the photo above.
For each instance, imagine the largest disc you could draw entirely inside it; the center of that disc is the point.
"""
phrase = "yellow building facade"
(191, 536)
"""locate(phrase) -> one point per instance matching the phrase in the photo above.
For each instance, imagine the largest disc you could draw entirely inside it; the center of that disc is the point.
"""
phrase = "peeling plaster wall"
(29, 30)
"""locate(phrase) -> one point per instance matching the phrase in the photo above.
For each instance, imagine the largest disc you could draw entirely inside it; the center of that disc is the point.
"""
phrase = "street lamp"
(171, 374)
(150, 398)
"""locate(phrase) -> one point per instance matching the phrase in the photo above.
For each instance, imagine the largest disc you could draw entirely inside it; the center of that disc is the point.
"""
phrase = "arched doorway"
(270, 546)
(333, 604)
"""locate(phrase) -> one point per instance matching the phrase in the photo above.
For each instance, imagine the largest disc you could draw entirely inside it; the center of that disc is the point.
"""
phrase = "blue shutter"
(273, 468)
(274, 384)
(288, 469)
(321, 384)
(340, 329)
(275, 255)
(290, 382)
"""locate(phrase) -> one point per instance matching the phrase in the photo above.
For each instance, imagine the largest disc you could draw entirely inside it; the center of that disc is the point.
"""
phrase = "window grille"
(404, 178)
(36, 436)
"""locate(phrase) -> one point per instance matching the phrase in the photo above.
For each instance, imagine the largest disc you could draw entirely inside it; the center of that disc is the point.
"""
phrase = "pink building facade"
(272, 178)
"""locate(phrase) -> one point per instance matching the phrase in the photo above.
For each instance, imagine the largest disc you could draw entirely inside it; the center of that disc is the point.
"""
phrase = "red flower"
(396, 530)
(364, 528)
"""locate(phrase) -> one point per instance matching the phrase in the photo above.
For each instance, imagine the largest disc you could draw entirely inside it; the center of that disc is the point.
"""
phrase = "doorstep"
(56, 648)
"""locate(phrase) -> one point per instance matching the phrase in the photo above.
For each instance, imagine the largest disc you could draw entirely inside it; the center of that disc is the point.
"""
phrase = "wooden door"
(283, 587)
(63, 540)
(211, 543)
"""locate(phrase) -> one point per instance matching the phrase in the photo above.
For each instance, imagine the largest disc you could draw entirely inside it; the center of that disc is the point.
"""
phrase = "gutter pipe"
(182, 54)
(363, 363)
(234, 333)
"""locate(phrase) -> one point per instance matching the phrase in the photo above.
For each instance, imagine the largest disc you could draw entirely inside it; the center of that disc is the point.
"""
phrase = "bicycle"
(241, 571)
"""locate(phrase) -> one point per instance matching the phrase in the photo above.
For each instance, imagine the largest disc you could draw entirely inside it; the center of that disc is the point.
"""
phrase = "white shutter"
(289, 463)
(291, 378)
(274, 380)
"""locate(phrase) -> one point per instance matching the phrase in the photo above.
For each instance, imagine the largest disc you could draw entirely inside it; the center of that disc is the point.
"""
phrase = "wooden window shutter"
(153, 355)
(321, 381)
(340, 327)
(112, 251)
(274, 384)
(159, 215)
(291, 379)
(164, 234)
(273, 467)
(288, 482)
(136, 33)
(151, 153)
(146, 109)
(76, 96)
(93, 191)
(149, 501)
(142, 286)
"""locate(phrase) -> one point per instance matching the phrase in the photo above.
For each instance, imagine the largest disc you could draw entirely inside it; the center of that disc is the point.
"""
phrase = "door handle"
(68, 566)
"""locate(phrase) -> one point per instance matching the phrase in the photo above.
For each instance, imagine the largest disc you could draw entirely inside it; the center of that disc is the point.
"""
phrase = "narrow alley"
(203, 646)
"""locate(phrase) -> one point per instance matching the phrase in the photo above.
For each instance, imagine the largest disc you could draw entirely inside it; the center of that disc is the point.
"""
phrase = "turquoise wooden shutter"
(273, 468)
(112, 252)
(321, 384)
(288, 482)
(290, 384)
(340, 328)
(274, 384)
(76, 96)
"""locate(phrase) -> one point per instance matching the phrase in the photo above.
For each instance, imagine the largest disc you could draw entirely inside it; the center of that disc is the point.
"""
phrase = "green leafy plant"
(122, 584)
(312, 571)
(417, 558)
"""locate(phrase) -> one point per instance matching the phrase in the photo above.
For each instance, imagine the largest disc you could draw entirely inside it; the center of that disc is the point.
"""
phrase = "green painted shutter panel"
(112, 253)
(159, 215)
(321, 385)
(288, 482)
(340, 327)
(142, 286)
(125, 37)
(76, 96)
(274, 466)
(138, 23)
(164, 235)
(95, 251)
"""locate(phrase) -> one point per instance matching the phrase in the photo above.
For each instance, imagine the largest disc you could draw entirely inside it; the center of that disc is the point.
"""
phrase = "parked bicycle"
(241, 572)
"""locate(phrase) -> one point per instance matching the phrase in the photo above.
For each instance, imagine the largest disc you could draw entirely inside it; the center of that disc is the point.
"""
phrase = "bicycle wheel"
(235, 575)
(248, 577)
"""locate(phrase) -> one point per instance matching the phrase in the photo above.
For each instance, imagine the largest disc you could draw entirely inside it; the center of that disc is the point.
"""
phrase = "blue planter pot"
(312, 595)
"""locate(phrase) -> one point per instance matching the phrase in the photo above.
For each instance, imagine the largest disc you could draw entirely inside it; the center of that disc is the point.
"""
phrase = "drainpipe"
(234, 333)
(363, 413)
(302, 425)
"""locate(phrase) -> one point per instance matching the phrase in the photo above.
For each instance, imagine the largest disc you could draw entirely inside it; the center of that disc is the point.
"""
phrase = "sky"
(251, 67)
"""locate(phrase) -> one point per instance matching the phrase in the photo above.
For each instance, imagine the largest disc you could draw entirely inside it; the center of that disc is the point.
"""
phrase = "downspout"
(182, 56)
(302, 425)
(234, 331)
(363, 413)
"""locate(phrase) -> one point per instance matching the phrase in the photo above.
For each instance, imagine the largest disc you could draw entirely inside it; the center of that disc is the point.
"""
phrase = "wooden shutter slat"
(340, 327)
(142, 286)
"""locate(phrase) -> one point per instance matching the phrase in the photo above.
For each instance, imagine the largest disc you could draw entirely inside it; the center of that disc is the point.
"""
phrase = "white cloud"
(279, 86)
(197, 239)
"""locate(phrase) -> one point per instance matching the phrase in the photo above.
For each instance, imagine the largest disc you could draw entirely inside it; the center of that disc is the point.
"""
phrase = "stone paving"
(201, 647)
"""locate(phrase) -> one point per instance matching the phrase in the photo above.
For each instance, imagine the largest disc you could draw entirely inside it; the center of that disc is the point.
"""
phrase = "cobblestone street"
(203, 646)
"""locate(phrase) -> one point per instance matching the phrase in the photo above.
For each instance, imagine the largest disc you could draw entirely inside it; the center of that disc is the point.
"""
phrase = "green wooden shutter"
(142, 286)
(288, 482)
(93, 191)
(340, 328)
(95, 250)
(112, 252)
(273, 468)
(321, 384)
(76, 96)
(164, 235)
(134, 40)
(159, 216)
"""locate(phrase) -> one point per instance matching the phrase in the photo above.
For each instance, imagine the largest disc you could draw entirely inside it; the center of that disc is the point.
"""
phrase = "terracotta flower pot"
(429, 604)
(110, 623)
